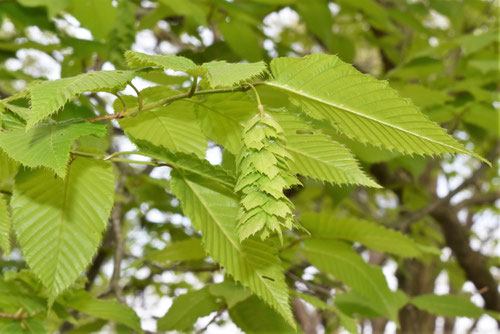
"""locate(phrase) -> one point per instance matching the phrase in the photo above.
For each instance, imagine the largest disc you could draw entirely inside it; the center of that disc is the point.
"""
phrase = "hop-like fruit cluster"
(263, 174)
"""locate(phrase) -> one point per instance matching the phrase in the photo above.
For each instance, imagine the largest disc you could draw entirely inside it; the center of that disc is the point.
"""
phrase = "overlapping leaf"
(104, 309)
(317, 155)
(49, 96)
(212, 207)
(190, 249)
(5, 225)
(338, 259)
(263, 174)
(174, 127)
(59, 222)
(187, 308)
(357, 230)
(359, 106)
(216, 73)
(46, 144)
(447, 305)
(253, 316)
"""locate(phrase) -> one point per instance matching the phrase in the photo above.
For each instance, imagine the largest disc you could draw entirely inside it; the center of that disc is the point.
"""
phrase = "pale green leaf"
(447, 305)
(5, 225)
(222, 118)
(59, 222)
(232, 292)
(168, 62)
(222, 74)
(99, 16)
(371, 235)
(216, 73)
(254, 316)
(212, 208)
(187, 308)
(111, 310)
(53, 6)
(338, 259)
(49, 96)
(8, 169)
(186, 250)
(46, 144)
(317, 155)
(236, 31)
(359, 106)
(174, 127)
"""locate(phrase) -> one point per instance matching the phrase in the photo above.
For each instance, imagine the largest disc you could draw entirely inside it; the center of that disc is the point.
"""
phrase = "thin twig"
(214, 319)
(310, 286)
(193, 87)
(168, 100)
(139, 97)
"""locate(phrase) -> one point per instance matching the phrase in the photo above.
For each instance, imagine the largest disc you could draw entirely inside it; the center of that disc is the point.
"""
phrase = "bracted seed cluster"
(263, 174)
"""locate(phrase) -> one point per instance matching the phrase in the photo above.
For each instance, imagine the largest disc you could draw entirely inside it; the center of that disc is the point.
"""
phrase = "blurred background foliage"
(443, 54)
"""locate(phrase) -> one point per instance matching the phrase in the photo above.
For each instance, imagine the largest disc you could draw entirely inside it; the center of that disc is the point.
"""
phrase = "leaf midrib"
(345, 109)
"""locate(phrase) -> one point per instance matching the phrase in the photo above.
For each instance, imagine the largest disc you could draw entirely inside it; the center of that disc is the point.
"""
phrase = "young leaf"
(338, 259)
(5, 225)
(187, 308)
(212, 208)
(168, 62)
(8, 168)
(253, 316)
(317, 155)
(232, 292)
(190, 249)
(111, 310)
(222, 118)
(47, 144)
(59, 222)
(222, 74)
(216, 73)
(174, 127)
(447, 305)
(359, 106)
(263, 174)
(49, 96)
(357, 230)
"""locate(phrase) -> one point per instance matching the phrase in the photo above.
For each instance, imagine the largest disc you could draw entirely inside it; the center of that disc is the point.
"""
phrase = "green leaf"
(28, 326)
(236, 31)
(222, 117)
(5, 225)
(168, 62)
(49, 96)
(47, 144)
(253, 316)
(216, 73)
(338, 259)
(53, 6)
(187, 308)
(222, 74)
(212, 208)
(232, 292)
(190, 249)
(8, 168)
(111, 310)
(317, 155)
(359, 106)
(99, 16)
(447, 305)
(59, 222)
(371, 235)
(174, 127)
